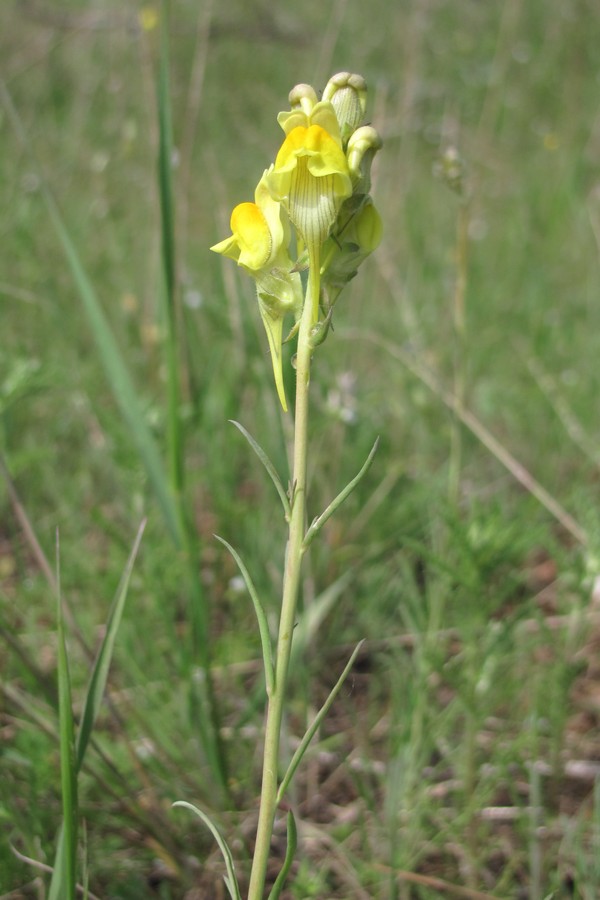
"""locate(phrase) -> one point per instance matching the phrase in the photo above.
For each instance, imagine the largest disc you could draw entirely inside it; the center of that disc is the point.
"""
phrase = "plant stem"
(291, 581)
(460, 346)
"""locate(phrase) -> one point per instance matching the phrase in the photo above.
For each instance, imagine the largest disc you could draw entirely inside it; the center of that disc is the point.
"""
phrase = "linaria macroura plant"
(311, 225)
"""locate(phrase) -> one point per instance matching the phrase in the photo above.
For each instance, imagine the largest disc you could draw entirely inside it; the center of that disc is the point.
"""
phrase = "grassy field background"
(464, 752)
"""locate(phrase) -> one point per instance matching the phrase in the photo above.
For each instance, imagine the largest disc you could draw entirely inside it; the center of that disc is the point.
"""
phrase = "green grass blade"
(263, 626)
(310, 621)
(64, 876)
(206, 710)
(168, 257)
(112, 360)
(303, 746)
(271, 470)
(60, 878)
(337, 502)
(290, 852)
(165, 157)
(230, 880)
(97, 684)
(119, 379)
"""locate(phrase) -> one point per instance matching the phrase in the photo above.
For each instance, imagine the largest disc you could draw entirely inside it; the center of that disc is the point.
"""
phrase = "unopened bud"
(303, 97)
(362, 147)
(451, 168)
(368, 228)
(348, 95)
(347, 249)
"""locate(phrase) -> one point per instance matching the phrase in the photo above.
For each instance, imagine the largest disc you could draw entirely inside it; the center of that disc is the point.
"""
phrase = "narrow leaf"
(97, 684)
(263, 626)
(326, 514)
(165, 158)
(169, 266)
(272, 471)
(303, 746)
(64, 876)
(292, 843)
(230, 880)
(59, 884)
(119, 379)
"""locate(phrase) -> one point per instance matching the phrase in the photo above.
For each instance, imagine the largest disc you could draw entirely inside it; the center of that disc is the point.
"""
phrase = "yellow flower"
(305, 112)
(311, 178)
(259, 242)
(148, 18)
(258, 232)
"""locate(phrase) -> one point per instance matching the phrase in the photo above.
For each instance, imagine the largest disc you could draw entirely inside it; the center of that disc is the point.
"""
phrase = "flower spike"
(314, 203)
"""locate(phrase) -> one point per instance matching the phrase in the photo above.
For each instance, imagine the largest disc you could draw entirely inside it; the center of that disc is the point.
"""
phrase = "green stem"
(168, 258)
(291, 581)
(460, 344)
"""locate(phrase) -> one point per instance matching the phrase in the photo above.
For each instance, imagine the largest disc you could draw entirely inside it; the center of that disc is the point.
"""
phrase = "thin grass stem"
(202, 694)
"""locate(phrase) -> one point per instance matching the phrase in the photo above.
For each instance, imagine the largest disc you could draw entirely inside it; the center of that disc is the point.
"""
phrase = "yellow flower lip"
(259, 236)
(250, 243)
(250, 227)
(304, 114)
(325, 156)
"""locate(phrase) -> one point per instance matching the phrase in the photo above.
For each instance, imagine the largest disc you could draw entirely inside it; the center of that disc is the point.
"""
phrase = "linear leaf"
(303, 746)
(97, 684)
(263, 626)
(64, 876)
(230, 880)
(327, 513)
(272, 471)
(290, 852)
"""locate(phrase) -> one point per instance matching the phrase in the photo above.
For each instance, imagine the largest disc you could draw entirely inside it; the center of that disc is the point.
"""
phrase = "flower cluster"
(311, 212)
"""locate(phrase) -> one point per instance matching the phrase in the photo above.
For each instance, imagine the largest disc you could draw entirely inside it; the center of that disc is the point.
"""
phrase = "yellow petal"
(252, 235)
(325, 154)
(311, 176)
(305, 115)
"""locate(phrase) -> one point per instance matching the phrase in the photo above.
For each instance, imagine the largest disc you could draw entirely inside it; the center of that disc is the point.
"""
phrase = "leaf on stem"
(263, 626)
(230, 879)
(303, 746)
(290, 852)
(97, 683)
(272, 471)
(318, 523)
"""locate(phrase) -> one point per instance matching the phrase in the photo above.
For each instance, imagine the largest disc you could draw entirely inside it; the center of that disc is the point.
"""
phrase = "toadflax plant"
(311, 225)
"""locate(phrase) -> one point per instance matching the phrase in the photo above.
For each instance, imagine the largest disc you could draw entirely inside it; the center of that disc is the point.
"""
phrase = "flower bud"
(348, 95)
(347, 248)
(303, 97)
(368, 228)
(362, 146)
(451, 168)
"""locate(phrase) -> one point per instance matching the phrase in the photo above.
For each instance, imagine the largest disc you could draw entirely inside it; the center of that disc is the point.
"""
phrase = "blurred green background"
(466, 745)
